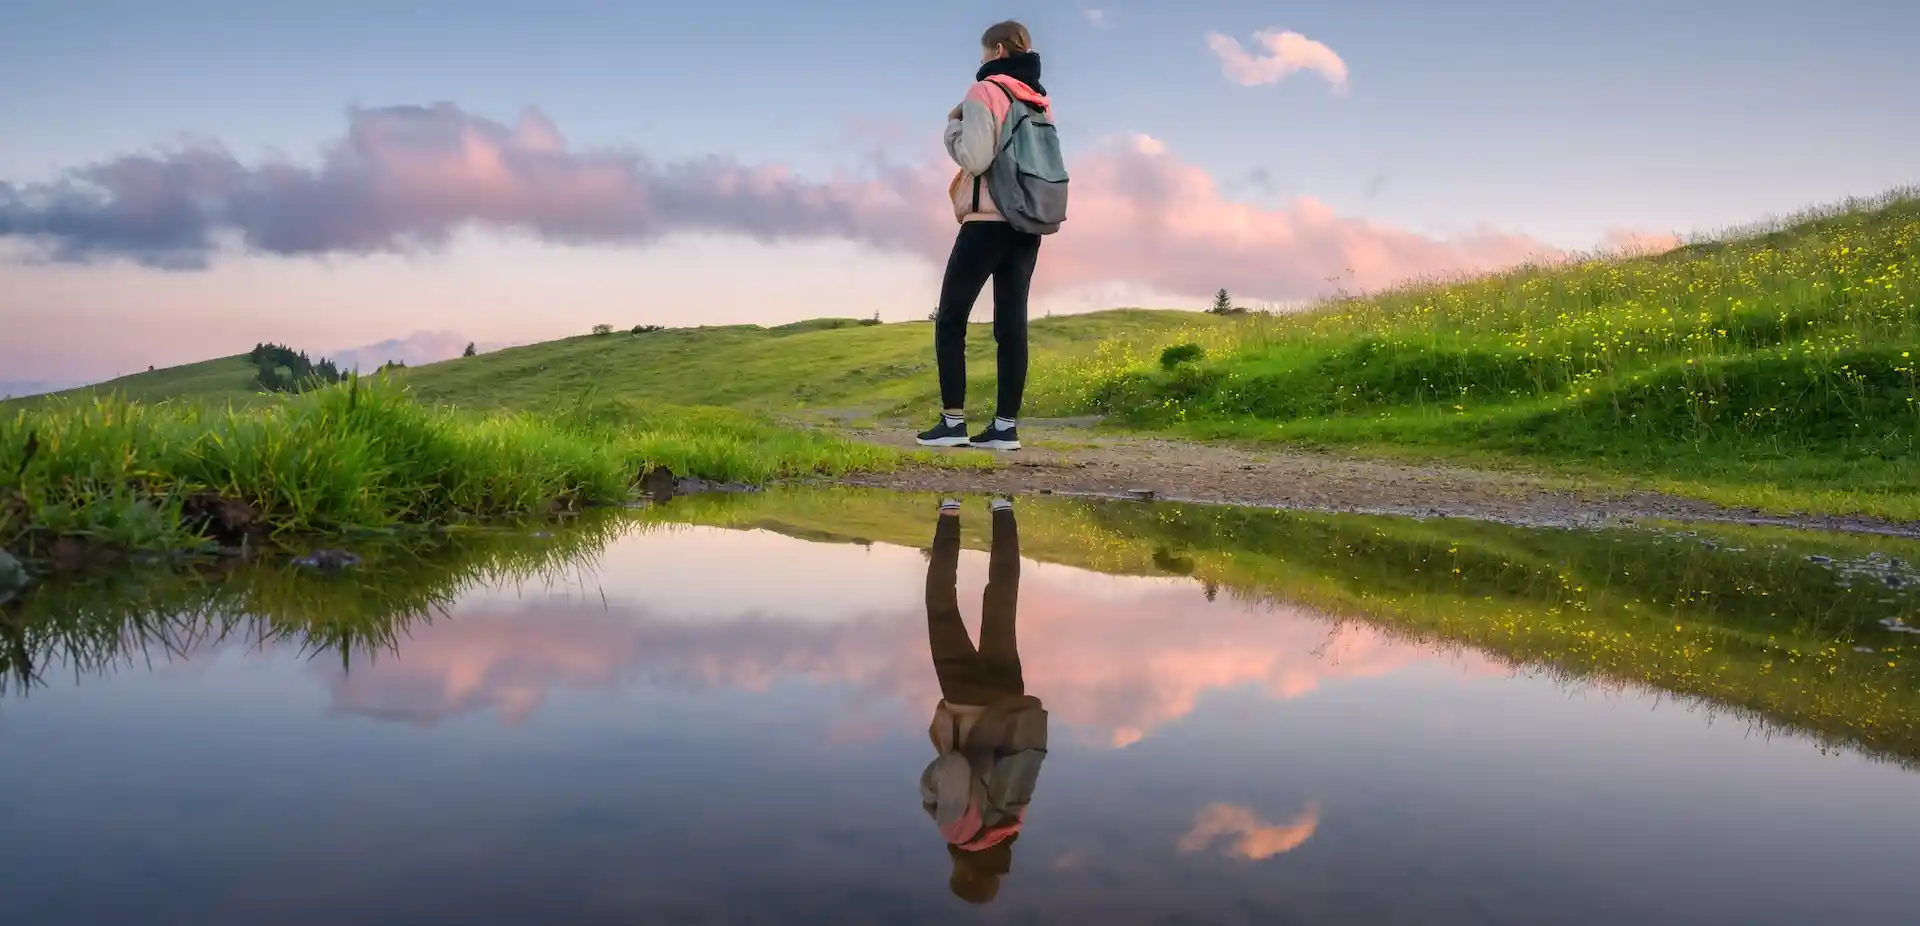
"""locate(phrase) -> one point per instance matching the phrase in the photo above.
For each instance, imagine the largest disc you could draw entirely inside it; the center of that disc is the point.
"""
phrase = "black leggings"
(986, 249)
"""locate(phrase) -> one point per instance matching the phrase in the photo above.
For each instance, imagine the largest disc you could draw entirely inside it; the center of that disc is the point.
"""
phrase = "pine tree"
(1222, 303)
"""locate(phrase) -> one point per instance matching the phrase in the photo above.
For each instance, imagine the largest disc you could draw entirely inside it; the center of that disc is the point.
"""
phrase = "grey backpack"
(1028, 177)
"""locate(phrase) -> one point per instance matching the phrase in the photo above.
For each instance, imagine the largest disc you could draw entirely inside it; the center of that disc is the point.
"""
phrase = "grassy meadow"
(1773, 367)
(224, 379)
(130, 475)
(838, 366)
(1777, 367)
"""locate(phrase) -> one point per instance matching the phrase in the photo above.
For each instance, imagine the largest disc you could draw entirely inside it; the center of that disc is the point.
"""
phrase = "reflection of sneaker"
(997, 438)
(945, 434)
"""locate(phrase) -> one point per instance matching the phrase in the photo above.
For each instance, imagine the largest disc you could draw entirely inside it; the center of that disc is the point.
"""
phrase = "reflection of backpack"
(977, 791)
(1028, 178)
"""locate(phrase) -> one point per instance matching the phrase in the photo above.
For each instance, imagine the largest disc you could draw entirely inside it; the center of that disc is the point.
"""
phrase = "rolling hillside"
(837, 365)
(218, 380)
(1772, 367)
(831, 364)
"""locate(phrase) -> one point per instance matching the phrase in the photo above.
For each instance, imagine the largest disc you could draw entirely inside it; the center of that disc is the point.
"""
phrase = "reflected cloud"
(507, 662)
(1253, 839)
(1117, 657)
(1126, 668)
(479, 662)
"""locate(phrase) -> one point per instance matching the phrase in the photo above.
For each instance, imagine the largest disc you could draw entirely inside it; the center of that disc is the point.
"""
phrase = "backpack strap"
(1012, 101)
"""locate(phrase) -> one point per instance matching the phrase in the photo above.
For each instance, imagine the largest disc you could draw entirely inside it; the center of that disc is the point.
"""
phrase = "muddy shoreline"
(1076, 463)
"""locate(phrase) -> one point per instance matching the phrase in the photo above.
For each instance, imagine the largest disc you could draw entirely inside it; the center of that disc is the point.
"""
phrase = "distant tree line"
(283, 369)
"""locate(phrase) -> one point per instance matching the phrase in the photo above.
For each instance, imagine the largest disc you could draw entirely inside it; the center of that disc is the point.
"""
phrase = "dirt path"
(1068, 460)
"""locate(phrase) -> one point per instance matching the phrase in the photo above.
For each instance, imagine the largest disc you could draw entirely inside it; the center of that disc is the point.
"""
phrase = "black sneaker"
(945, 435)
(997, 438)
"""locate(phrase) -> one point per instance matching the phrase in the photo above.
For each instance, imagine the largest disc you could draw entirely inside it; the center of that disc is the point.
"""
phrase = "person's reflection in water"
(990, 735)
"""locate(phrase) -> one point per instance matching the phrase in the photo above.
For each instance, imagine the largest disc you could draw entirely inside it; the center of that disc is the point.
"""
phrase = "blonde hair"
(1010, 34)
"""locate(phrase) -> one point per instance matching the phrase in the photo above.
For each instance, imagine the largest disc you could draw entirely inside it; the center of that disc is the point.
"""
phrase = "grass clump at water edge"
(129, 475)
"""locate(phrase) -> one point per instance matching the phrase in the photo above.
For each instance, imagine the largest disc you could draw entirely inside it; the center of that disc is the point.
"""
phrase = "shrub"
(1181, 353)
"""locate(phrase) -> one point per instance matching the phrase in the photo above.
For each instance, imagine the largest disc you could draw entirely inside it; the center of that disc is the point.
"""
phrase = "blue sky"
(1555, 123)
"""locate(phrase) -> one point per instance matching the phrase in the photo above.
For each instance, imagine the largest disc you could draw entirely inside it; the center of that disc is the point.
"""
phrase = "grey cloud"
(409, 177)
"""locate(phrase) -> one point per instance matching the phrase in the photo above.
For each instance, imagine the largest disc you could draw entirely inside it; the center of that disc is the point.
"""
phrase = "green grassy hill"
(824, 364)
(1777, 367)
(828, 364)
(218, 380)
(1774, 367)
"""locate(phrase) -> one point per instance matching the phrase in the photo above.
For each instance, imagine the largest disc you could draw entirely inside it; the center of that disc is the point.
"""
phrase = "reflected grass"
(1763, 625)
(1738, 621)
(96, 623)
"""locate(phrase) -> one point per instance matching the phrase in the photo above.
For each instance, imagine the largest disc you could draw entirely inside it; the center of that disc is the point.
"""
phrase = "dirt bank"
(1073, 461)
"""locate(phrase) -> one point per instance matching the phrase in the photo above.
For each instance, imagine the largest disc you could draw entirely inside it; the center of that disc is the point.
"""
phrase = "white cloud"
(1285, 53)
(1099, 18)
(1147, 144)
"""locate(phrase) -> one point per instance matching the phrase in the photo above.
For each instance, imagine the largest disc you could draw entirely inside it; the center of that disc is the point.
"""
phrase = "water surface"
(717, 711)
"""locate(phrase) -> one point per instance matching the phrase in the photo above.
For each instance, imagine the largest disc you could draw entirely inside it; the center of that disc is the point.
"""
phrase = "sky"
(179, 181)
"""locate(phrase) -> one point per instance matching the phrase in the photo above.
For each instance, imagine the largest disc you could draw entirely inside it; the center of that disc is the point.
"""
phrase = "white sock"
(1004, 424)
(1003, 504)
(950, 506)
(952, 420)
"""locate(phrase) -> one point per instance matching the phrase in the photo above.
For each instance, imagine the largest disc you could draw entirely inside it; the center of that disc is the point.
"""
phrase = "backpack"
(1028, 177)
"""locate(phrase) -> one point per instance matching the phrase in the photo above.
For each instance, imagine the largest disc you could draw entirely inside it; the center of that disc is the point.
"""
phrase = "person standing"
(1010, 190)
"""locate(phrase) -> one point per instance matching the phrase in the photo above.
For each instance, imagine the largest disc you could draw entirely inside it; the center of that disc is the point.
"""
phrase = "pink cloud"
(409, 178)
(1141, 215)
(1254, 839)
(1287, 52)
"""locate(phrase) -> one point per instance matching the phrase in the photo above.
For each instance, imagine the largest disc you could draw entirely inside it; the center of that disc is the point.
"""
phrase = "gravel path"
(1074, 461)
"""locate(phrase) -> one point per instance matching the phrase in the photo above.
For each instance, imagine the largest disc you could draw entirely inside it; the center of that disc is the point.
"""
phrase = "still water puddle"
(838, 708)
